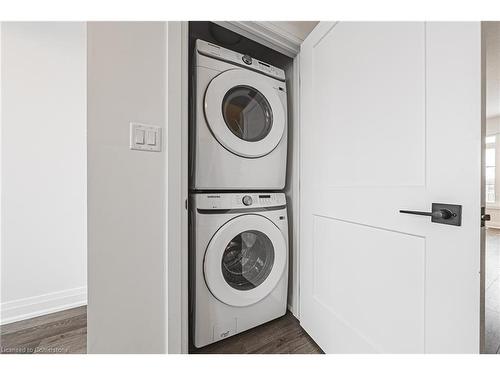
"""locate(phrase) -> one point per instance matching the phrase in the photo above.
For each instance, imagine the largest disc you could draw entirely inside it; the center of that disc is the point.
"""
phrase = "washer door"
(244, 260)
(245, 113)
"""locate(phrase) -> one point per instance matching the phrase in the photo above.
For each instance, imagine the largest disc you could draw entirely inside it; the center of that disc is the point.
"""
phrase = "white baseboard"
(13, 311)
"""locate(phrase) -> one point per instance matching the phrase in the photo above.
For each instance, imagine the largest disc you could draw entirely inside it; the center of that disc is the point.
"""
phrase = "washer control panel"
(232, 201)
(213, 50)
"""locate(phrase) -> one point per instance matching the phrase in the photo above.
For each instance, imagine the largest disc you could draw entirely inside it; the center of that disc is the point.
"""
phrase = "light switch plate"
(137, 133)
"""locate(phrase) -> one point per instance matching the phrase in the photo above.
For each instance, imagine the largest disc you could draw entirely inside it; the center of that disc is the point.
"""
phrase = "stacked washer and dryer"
(238, 222)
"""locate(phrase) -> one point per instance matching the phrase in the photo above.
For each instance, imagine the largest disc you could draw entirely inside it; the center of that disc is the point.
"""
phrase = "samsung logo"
(213, 196)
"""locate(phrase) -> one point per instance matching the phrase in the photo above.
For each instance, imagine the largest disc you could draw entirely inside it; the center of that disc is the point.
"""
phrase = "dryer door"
(245, 113)
(244, 260)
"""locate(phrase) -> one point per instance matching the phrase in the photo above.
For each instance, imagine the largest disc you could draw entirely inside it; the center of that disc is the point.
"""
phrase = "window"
(490, 168)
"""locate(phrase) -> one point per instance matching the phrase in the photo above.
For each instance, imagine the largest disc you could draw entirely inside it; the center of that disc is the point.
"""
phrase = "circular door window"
(247, 113)
(245, 260)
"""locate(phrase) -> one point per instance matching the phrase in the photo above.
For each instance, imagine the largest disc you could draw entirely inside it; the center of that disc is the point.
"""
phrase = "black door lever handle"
(441, 213)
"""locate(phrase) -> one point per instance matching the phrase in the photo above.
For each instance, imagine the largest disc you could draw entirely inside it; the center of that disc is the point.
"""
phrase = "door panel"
(393, 115)
(377, 96)
(357, 281)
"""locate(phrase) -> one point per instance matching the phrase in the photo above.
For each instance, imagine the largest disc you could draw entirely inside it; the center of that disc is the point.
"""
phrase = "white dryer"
(239, 260)
(239, 137)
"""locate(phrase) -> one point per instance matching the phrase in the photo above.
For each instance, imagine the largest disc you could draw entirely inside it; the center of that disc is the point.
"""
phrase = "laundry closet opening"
(242, 196)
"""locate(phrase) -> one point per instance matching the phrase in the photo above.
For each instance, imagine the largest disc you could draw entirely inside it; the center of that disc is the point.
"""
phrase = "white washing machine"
(239, 260)
(239, 137)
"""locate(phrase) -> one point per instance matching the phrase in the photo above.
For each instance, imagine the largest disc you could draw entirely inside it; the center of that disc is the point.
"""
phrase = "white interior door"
(391, 118)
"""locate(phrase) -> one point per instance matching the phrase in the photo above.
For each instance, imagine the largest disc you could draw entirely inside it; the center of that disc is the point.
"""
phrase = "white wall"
(43, 101)
(493, 125)
(127, 311)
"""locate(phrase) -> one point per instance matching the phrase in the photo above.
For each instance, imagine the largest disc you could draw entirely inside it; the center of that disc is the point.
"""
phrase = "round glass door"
(247, 260)
(247, 113)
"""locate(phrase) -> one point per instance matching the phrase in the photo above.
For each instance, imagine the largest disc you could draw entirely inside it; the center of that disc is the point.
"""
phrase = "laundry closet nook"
(242, 270)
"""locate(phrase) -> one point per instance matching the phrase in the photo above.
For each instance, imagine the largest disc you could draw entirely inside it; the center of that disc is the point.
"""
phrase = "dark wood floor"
(66, 332)
(57, 333)
(281, 336)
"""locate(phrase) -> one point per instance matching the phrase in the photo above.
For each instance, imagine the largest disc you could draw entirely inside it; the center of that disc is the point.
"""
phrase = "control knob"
(247, 59)
(247, 200)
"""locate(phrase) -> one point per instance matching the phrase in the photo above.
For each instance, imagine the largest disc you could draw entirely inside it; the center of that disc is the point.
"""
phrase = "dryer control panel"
(213, 50)
(232, 201)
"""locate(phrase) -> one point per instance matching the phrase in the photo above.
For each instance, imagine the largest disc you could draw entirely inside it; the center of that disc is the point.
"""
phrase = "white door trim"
(293, 184)
(176, 154)
(482, 331)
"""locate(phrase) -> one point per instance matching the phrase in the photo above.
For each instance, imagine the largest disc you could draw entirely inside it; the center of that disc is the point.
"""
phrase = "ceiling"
(492, 33)
(299, 29)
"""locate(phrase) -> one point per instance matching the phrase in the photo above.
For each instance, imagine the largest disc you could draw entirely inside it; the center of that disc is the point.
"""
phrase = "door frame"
(482, 281)
(176, 223)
